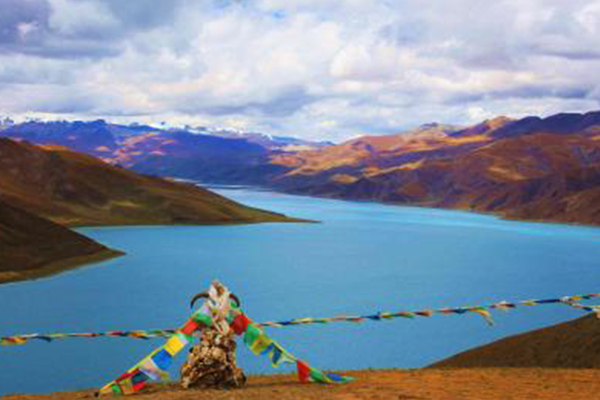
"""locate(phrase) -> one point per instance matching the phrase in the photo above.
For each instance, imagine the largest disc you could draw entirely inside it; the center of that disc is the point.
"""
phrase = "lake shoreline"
(363, 258)
(57, 267)
(501, 216)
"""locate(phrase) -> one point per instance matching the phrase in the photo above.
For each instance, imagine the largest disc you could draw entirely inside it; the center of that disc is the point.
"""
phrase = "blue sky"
(312, 68)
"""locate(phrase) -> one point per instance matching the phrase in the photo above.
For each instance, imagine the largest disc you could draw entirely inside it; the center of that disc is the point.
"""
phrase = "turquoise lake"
(362, 258)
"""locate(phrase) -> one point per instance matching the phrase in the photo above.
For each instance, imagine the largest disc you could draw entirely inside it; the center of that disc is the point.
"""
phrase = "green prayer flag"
(260, 344)
(251, 334)
(116, 389)
(203, 319)
(318, 376)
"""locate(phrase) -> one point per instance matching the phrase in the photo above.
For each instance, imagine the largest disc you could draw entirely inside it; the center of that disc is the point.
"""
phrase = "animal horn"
(236, 299)
(197, 297)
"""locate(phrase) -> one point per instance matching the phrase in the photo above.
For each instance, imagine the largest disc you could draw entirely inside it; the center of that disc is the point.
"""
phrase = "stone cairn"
(212, 362)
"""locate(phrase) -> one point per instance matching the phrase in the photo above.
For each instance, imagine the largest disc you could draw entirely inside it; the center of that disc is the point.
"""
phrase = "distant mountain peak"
(437, 125)
(433, 128)
(6, 122)
(487, 127)
(429, 125)
(562, 123)
(499, 120)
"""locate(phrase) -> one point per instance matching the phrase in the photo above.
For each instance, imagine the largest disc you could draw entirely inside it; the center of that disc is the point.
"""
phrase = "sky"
(316, 69)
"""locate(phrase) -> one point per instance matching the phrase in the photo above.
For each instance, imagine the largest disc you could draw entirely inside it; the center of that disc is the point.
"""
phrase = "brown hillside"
(543, 169)
(77, 189)
(371, 154)
(572, 344)
(428, 384)
(31, 246)
(540, 176)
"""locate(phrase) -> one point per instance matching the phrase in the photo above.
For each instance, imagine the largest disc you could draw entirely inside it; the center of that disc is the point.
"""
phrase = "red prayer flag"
(139, 380)
(139, 386)
(190, 327)
(303, 371)
(125, 376)
(240, 324)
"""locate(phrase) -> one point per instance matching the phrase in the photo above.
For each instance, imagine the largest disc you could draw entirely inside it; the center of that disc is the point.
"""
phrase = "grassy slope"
(541, 176)
(572, 344)
(31, 246)
(75, 189)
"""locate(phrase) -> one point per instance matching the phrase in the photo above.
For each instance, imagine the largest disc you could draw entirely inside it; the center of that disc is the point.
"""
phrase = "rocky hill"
(76, 189)
(44, 189)
(204, 154)
(572, 344)
(31, 246)
(542, 169)
(547, 175)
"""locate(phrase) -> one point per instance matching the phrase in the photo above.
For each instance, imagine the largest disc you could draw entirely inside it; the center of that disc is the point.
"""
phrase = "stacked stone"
(212, 363)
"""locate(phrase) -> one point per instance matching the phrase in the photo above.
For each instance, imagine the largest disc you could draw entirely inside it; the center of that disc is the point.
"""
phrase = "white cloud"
(25, 29)
(310, 68)
(72, 17)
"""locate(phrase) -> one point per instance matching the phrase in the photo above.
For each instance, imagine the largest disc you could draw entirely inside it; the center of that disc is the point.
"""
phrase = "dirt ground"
(438, 384)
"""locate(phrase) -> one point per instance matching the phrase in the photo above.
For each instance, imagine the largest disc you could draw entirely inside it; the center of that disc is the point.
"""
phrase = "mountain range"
(210, 155)
(543, 169)
(43, 189)
(535, 169)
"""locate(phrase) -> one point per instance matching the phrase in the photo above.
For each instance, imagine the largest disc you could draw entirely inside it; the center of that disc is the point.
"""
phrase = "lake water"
(362, 258)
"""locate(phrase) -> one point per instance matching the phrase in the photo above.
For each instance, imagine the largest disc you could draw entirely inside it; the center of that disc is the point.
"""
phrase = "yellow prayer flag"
(260, 344)
(174, 345)
(485, 314)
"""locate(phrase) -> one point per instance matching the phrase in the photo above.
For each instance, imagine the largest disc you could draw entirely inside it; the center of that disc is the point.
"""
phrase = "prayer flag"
(318, 376)
(151, 369)
(251, 334)
(240, 324)
(303, 371)
(260, 345)
(175, 344)
(204, 319)
(162, 359)
(190, 327)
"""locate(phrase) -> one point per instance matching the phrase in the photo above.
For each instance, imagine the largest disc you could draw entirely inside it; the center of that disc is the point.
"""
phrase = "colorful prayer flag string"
(49, 337)
(154, 366)
(483, 310)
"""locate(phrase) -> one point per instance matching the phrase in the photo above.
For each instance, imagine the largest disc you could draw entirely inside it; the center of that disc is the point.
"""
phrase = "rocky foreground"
(428, 384)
